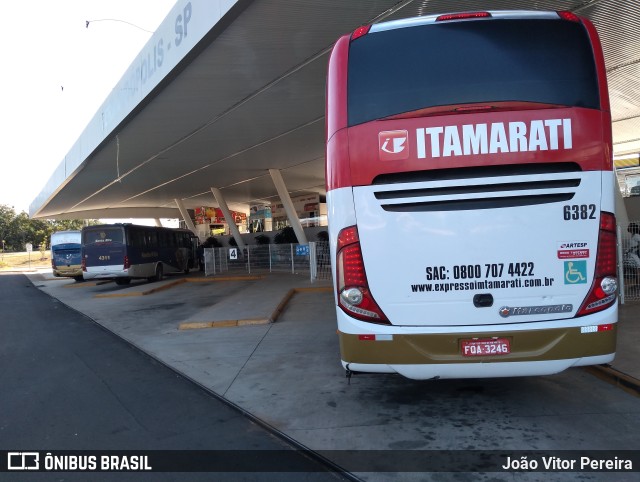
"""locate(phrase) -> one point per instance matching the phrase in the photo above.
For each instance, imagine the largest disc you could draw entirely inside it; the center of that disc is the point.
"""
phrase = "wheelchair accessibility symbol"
(575, 272)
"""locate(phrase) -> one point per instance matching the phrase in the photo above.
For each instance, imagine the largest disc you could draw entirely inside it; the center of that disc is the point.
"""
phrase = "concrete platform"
(288, 373)
(260, 299)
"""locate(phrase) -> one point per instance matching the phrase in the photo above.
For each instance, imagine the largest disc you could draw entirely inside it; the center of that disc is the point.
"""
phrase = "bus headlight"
(352, 296)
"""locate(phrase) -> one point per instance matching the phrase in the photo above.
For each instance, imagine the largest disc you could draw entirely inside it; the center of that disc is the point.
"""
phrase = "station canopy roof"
(226, 90)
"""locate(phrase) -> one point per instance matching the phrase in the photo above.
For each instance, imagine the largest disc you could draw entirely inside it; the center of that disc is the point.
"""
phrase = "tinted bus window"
(405, 69)
(103, 236)
(137, 238)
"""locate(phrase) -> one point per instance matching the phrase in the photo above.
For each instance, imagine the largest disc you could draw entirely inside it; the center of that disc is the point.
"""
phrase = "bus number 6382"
(574, 212)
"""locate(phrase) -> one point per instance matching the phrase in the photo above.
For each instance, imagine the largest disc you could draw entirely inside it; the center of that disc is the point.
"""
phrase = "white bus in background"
(66, 257)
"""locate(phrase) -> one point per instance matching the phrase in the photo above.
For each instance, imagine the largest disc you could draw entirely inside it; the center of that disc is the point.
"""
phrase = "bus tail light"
(127, 263)
(462, 16)
(354, 297)
(84, 264)
(605, 283)
(570, 16)
(360, 32)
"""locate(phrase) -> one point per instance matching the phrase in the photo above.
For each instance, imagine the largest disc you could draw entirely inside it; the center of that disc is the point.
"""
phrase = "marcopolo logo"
(393, 145)
(507, 311)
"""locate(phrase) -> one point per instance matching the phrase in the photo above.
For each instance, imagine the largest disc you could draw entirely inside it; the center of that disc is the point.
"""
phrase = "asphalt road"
(68, 384)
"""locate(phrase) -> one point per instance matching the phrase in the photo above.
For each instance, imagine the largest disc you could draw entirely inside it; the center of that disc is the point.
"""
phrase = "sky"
(56, 73)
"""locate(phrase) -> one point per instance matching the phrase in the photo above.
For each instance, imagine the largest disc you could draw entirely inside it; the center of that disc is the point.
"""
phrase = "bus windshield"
(401, 70)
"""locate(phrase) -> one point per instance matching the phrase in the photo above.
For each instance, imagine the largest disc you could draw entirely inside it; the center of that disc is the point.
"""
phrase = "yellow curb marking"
(119, 295)
(196, 325)
(259, 321)
(83, 284)
(223, 278)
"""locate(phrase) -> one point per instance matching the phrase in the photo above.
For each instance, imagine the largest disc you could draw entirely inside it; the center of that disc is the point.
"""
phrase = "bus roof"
(493, 14)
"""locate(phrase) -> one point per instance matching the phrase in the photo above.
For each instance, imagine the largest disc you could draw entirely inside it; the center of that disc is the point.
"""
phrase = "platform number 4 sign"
(233, 253)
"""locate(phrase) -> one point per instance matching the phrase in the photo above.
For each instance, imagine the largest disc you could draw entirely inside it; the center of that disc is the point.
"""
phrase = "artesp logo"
(393, 145)
(572, 245)
(573, 249)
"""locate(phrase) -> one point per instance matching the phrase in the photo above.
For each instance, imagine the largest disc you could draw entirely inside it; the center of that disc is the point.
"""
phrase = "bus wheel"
(123, 281)
(159, 275)
(79, 279)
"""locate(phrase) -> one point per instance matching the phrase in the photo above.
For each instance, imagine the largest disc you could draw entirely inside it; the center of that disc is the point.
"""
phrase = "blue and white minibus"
(65, 254)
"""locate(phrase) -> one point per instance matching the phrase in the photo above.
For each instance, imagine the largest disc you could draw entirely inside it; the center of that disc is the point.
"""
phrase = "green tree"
(7, 215)
(70, 224)
(16, 230)
(25, 230)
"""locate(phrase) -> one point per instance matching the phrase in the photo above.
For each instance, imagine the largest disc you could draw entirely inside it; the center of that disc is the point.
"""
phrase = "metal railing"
(629, 261)
(313, 260)
(307, 259)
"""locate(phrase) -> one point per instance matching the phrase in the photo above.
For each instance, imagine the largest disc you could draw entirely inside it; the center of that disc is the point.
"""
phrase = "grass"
(35, 259)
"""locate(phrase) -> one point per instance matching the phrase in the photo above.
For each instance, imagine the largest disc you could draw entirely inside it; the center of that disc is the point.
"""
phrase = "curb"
(223, 278)
(196, 325)
(176, 283)
(142, 293)
(87, 284)
(615, 377)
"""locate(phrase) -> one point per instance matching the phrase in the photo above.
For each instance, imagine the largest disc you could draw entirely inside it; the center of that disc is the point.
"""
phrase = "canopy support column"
(276, 176)
(222, 203)
(185, 215)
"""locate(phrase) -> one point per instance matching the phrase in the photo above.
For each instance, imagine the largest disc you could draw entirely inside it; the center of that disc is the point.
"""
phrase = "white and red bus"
(470, 192)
